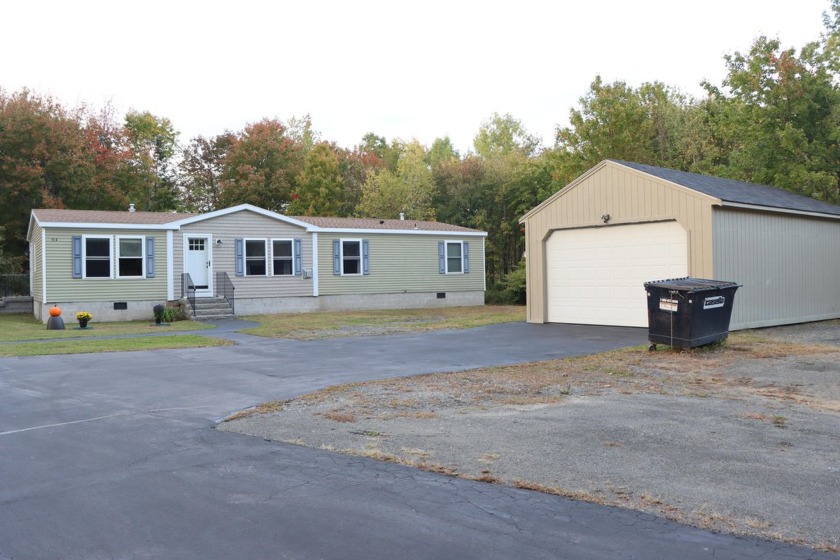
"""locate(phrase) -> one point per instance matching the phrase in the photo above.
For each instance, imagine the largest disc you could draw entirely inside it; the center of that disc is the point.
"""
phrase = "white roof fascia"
(352, 231)
(241, 207)
(777, 210)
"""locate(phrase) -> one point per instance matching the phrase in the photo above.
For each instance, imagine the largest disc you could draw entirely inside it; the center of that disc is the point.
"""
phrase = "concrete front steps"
(212, 309)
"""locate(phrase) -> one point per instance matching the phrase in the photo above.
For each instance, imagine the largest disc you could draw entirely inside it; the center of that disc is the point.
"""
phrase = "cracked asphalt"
(115, 456)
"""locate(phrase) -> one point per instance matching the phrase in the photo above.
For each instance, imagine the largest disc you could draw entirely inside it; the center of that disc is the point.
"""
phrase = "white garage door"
(595, 276)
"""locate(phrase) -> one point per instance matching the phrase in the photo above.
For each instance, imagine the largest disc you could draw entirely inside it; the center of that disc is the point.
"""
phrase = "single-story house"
(591, 246)
(118, 265)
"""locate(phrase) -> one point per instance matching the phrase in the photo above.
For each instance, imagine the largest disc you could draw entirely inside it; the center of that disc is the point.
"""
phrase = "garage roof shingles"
(739, 192)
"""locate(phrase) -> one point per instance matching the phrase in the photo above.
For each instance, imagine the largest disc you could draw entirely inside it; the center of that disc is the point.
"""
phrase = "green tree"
(153, 143)
(320, 185)
(299, 129)
(616, 121)
(261, 167)
(8, 264)
(503, 134)
(442, 151)
(410, 190)
(779, 113)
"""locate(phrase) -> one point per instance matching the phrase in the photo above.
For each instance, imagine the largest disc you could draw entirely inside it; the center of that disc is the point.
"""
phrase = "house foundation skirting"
(102, 311)
(142, 310)
(357, 302)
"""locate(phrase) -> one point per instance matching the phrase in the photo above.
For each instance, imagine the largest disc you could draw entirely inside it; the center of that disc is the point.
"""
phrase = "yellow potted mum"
(83, 317)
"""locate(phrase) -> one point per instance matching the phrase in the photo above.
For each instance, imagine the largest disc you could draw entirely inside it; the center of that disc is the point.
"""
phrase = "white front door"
(198, 264)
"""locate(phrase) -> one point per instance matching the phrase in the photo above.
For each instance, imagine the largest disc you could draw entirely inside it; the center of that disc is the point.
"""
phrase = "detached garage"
(591, 246)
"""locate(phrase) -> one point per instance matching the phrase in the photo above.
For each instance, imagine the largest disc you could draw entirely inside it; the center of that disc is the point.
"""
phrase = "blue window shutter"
(466, 256)
(298, 258)
(240, 257)
(442, 257)
(336, 256)
(365, 257)
(150, 257)
(77, 256)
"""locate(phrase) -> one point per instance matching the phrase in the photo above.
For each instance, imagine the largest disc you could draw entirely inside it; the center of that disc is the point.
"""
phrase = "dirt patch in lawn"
(741, 437)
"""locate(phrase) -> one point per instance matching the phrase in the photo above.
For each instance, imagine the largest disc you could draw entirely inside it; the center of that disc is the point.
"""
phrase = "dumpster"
(689, 312)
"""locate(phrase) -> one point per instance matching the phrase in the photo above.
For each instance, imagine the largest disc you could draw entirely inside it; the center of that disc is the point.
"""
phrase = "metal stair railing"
(224, 288)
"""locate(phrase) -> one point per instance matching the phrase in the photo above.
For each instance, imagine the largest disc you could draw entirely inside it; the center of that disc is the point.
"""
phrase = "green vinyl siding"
(61, 286)
(247, 225)
(400, 263)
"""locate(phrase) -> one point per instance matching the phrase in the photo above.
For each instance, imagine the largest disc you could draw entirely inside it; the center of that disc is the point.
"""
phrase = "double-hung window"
(130, 257)
(255, 257)
(282, 257)
(120, 256)
(454, 257)
(351, 257)
(97, 257)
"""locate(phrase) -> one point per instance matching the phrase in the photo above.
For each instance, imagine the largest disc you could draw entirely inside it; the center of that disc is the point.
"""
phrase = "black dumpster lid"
(691, 284)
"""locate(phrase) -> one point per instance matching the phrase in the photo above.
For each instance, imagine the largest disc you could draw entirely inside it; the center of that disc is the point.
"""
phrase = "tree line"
(774, 119)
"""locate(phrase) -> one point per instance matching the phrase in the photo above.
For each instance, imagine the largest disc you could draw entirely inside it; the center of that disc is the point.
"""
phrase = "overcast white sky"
(399, 69)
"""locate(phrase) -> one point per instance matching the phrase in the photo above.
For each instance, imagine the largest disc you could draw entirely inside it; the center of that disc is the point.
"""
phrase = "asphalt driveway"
(114, 456)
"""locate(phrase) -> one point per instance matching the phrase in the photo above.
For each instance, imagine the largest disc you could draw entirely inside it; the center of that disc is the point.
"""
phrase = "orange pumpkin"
(55, 311)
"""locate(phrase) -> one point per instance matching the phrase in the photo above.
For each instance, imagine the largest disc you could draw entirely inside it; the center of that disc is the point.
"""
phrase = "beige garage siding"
(789, 266)
(628, 196)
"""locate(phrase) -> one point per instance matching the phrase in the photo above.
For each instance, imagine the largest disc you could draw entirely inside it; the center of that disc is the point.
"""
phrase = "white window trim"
(271, 260)
(116, 251)
(446, 256)
(110, 239)
(341, 256)
(268, 262)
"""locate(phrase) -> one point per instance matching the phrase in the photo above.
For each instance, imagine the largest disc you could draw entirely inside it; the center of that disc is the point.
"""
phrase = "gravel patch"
(742, 439)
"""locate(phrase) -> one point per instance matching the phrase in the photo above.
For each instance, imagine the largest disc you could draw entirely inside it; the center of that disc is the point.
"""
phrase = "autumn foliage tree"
(261, 167)
(43, 161)
(200, 172)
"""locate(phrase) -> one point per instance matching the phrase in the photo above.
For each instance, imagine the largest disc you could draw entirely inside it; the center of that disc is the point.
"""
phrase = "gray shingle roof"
(56, 215)
(376, 223)
(740, 192)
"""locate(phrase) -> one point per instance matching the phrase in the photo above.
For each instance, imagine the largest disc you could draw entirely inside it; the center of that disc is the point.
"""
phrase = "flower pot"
(83, 323)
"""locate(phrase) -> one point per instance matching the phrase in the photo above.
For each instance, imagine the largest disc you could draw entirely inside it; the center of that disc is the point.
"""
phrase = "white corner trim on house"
(315, 288)
(43, 266)
(170, 256)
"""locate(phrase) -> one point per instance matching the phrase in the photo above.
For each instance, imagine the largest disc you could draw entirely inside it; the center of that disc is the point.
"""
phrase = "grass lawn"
(304, 326)
(23, 335)
(109, 345)
(15, 328)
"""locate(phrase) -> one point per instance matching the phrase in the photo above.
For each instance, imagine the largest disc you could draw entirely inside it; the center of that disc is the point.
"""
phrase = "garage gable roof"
(739, 192)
